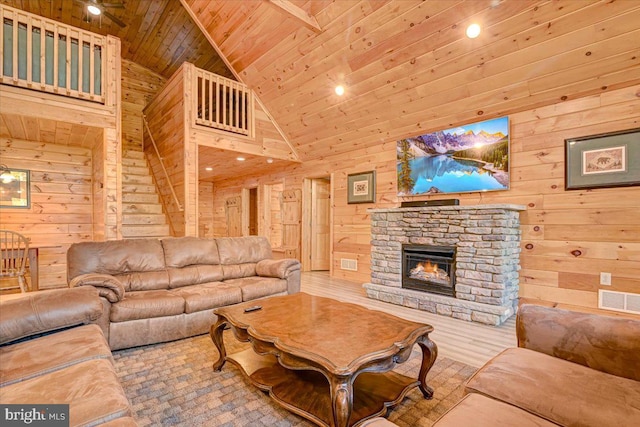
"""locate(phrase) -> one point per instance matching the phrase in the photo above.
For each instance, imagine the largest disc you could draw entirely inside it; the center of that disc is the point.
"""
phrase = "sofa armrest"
(280, 268)
(45, 311)
(606, 343)
(287, 268)
(108, 286)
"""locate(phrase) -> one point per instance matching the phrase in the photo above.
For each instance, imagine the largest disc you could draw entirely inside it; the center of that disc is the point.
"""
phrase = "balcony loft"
(201, 121)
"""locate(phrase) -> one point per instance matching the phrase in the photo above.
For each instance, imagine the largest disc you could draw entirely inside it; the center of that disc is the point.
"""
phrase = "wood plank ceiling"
(158, 34)
(48, 131)
(408, 67)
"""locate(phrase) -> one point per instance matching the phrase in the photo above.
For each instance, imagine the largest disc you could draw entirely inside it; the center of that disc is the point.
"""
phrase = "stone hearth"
(487, 241)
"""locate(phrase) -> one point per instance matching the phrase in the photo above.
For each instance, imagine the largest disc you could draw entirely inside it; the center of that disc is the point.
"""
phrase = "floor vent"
(349, 264)
(619, 301)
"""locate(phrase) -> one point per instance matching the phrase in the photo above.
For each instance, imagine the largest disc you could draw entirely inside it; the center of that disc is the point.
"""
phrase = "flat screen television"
(464, 159)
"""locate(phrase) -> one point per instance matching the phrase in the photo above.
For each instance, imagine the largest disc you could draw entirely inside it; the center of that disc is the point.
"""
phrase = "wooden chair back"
(14, 248)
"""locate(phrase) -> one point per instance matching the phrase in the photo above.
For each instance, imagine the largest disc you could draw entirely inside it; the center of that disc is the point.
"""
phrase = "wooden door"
(291, 220)
(320, 224)
(233, 208)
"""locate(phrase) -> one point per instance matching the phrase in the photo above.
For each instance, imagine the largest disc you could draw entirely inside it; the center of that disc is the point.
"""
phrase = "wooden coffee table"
(325, 360)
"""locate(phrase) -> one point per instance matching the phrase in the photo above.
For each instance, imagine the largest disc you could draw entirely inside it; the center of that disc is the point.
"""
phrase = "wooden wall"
(205, 209)
(61, 210)
(165, 115)
(569, 237)
(139, 86)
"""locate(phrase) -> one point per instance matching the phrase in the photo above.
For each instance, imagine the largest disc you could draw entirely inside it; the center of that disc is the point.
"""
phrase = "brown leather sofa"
(162, 290)
(569, 369)
(52, 353)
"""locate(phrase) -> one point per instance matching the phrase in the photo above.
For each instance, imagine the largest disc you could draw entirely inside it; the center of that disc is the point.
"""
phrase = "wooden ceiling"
(158, 34)
(225, 164)
(48, 131)
(408, 67)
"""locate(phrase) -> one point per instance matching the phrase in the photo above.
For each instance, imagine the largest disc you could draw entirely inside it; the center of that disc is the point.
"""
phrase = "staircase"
(142, 211)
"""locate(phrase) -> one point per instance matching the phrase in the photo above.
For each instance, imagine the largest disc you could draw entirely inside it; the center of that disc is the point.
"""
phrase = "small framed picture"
(602, 161)
(15, 190)
(361, 187)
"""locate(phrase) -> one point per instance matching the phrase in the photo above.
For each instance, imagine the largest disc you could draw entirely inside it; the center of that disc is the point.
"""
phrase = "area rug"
(173, 384)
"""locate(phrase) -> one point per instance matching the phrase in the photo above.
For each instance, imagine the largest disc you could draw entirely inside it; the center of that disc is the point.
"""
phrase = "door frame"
(245, 196)
(305, 250)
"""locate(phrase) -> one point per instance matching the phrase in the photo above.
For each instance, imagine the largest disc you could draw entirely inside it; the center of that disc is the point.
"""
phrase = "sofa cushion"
(44, 311)
(50, 353)
(146, 304)
(114, 257)
(258, 287)
(194, 274)
(480, 411)
(184, 251)
(208, 296)
(145, 281)
(558, 390)
(242, 250)
(236, 271)
(90, 388)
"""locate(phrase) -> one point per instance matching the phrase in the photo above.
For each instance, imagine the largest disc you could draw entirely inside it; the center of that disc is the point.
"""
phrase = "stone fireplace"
(458, 261)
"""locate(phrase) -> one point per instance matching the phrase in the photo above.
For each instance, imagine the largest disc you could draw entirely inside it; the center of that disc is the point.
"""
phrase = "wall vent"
(349, 264)
(619, 301)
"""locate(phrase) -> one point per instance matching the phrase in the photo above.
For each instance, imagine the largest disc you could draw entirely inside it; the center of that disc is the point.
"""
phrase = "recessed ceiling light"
(339, 90)
(208, 169)
(94, 10)
(240, 159)
(473, 31)
(269, 160)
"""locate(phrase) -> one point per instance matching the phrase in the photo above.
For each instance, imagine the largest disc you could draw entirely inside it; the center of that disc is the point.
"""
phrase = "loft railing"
(223, 104)
(42, 54)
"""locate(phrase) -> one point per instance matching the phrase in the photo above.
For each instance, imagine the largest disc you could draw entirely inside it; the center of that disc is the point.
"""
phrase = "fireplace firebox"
(429, 269)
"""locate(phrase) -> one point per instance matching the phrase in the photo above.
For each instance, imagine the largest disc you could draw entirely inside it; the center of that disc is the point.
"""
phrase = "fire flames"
(427, 268)
(429, 272)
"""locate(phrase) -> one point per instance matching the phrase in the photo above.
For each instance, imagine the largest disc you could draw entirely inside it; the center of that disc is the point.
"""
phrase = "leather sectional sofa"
(52, 353)
(161, 290)
(569, 369)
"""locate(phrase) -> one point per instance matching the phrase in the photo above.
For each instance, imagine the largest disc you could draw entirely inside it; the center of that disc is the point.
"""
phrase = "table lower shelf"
(307, 393)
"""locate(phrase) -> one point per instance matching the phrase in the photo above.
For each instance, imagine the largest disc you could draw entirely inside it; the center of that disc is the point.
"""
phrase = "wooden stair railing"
(164, 169)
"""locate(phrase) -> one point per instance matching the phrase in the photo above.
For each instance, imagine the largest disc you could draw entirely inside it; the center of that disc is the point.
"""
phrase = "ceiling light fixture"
(208, 168)
(240, 159)
(5, 174)
(94, 10)
(339, 90)
(269, 160)
(473, 31)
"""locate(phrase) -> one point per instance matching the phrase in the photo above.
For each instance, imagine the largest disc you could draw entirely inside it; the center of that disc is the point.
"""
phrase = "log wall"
(139, 86)
(61, 210)
(568, 237)
(165, 116)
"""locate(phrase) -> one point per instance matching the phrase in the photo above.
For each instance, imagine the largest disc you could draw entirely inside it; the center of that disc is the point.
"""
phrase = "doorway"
(317, 224)
(253, 212)
(249, 212)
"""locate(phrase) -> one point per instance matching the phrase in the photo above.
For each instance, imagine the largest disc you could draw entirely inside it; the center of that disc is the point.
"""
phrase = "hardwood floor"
(467, 342)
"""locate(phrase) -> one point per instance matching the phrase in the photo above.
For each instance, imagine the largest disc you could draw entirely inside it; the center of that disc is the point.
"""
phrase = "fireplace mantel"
(487, 240)
(501, 206)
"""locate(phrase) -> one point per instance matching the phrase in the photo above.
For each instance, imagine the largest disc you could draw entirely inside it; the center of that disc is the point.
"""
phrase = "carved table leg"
(216, 337)
(429, 354)
(341, 400)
